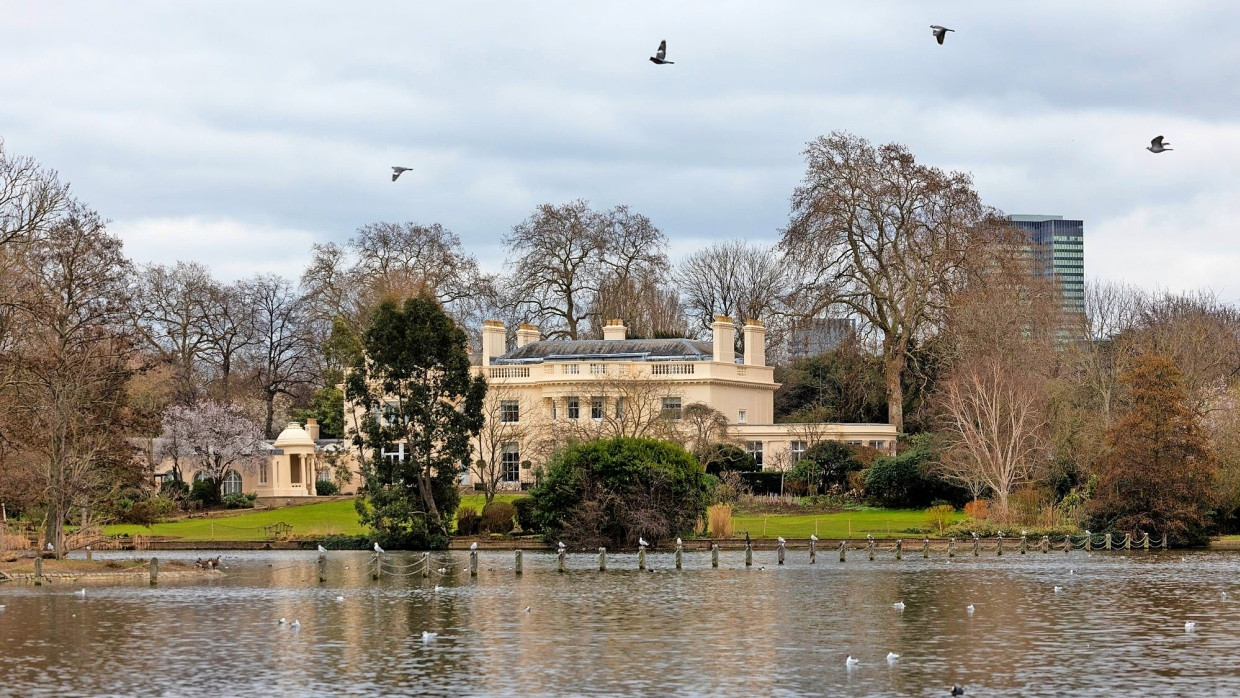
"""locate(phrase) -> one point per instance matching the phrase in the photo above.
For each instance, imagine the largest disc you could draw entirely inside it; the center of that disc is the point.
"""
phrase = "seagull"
(1, 607)
(1071, 571)
(1157, 145)
(80, 593)
(957, 690)
(969, 608)
(527, 609)
(899, 605)
(50, 546)
(660, 56)
(813, 537)
(339, 599)
(280, 622)
(678, 542)
(642, 541)
(1224, 596)
(438, 588)
(377, 548)
(1058, 589)
(473, 546)
(1190, 626)
(562, 546)
(442, 570)
(396, 171)
(781, 540)
(295, 625)
(892, 656)
(322, 549)
(940, 33)
(850, 662)
(427, 637)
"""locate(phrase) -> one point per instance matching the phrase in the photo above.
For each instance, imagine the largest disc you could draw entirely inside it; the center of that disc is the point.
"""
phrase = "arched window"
(232, 483)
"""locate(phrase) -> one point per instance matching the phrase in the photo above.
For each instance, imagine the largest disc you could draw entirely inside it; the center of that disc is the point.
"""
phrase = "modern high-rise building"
(1057, 249)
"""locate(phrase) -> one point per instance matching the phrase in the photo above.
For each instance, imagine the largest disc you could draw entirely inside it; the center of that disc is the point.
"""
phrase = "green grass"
(308, 521)
(881, 523)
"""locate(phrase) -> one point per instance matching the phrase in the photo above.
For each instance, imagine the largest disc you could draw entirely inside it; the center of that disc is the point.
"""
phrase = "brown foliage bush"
(498, 517)
(719, 519)
(467, 520)
(978, 510)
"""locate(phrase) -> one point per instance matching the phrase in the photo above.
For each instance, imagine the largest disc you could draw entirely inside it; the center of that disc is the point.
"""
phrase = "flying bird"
(899, 605)
(473, 546)
(1157, 145)
(377, 548)
(396, 171)
(660, 56)
(892, 656)
(850, 662)
(940, 33)
(322, 549)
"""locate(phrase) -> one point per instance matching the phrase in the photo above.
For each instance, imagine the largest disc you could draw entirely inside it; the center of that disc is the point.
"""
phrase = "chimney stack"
(494, 340)
(312, 428)
(527, 334)
(755, 342)
(615, 329)
(723, 334)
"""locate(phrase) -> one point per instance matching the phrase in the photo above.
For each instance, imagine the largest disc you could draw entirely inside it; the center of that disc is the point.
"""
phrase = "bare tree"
(886, 239)
(31, 199)
(170, 310)
(283, 348)
(228, 330)
(736, 279)
(556, 264)
(213, 438)
(501, 427)
(702, 425)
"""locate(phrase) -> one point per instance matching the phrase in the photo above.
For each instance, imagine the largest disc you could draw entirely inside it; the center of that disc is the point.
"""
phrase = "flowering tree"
(212, 438)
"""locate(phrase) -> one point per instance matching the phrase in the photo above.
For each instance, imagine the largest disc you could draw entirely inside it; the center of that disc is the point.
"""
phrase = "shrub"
(326, 488)
(149, 511)
(717, 458)
(336, 542)
(175, 490)
(467, 520)
(615, 490)
(765, 482)
(526, 517)
(825, 465)
(905, 481)
(205, 492)
(240, 500)
(719, 518)
(937, 517)
(498, 517)
(978, 510)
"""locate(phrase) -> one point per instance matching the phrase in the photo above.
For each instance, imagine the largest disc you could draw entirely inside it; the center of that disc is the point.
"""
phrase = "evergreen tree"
(1157, 471)
(421, 402)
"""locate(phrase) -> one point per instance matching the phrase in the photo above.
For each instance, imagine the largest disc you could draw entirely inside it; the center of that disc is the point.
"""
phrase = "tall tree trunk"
(893, 363)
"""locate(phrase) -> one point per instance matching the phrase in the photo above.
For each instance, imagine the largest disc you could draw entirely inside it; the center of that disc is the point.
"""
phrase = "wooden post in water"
(843, 548)
(779, 553)
(925, 548)
(1107, 542)
(680, 552)
(602, 559)
(748, 554)
(870, 547)
(977, 545)
(1145, 543)
(426, 565)
(813, 550)
(951, 547)
(154, 571)
(88, 554)
(1046, 544)
(1067, 542)
(641, 558)
(560, 564)
(899, 548)
(38, 570)
(321, 563)
(714, 554)
(1024, 543)
(517, 561)
(378, 567)
(1128, 541)
(1089, 541)
(473, 563)
(999, 544)
(1164, 544)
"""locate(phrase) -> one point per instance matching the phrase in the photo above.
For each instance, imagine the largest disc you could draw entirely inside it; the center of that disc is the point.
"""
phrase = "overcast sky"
(237, 134)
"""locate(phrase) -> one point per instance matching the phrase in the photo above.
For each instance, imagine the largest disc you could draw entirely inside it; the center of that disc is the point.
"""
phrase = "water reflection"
(1117, 628)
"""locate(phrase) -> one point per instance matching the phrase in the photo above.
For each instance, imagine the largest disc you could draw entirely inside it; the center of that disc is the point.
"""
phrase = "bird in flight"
(1157, 145)
(377, 548)
(940, 33)
(660, 56)
(396, 171)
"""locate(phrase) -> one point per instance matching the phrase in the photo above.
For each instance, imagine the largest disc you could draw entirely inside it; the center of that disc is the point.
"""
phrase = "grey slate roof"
(614, 349)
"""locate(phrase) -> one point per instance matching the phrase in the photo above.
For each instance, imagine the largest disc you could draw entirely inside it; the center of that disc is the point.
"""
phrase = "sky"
(237, 134)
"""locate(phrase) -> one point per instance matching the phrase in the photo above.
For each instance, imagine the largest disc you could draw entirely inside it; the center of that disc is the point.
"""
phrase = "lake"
(1115, 628)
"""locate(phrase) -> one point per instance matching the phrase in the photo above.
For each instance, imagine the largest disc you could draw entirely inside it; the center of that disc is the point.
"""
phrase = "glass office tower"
(1057, 247)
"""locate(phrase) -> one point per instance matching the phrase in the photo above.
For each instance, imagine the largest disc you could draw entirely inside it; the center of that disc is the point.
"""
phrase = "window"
(740, 416)
(232, 483)
(325, 474)
(619, 408)
(574, 408)
(397, 453)
(294, 468)
(878, 444)
(797, 449)
(388, 414)
(509, 411)
(555, 410)
(598, 369)
(596, 408)
(572, 369)
(262, 474)
(754, 448)
(671, 408)
(510, 462)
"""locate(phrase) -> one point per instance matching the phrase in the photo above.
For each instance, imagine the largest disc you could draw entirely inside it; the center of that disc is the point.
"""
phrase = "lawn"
(881, 523)
(308, 521)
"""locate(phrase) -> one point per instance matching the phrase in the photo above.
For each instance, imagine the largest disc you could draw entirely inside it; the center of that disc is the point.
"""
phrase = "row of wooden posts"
(780, 552)
(153, 565)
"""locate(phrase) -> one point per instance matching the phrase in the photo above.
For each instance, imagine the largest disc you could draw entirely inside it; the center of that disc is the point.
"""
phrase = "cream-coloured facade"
(542, 390)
